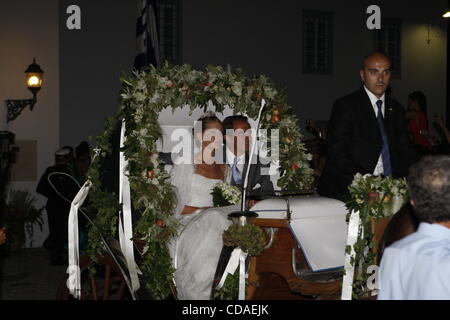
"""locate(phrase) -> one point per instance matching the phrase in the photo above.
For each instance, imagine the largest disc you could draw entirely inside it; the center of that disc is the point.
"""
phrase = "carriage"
(282, 271)
(307, 234)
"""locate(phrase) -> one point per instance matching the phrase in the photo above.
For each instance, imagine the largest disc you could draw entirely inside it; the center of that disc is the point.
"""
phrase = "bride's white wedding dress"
(196, 250)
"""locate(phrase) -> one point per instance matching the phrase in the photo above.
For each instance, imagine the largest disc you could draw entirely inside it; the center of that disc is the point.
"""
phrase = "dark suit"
(256, 177)
(57, 208)
(354, 142)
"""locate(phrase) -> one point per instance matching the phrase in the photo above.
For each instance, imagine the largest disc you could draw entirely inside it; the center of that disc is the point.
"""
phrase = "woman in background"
(2, 235)
(418, 121)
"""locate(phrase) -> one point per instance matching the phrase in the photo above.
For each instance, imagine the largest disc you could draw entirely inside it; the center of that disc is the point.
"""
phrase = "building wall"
(265, 37)
(30, 29)
(91, 62)
(260, 36)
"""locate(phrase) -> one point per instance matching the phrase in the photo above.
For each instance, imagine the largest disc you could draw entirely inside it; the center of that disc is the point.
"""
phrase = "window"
(168, 14)
(388, 40)
(317, 42)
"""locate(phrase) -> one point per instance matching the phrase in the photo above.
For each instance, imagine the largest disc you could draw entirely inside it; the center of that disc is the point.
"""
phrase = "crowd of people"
(369, 132)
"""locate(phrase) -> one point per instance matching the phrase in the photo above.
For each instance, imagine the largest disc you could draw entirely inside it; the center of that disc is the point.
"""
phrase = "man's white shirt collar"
(374, 99)
(231, 156)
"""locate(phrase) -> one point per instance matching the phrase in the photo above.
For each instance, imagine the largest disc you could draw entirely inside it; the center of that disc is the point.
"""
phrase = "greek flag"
(146, 36)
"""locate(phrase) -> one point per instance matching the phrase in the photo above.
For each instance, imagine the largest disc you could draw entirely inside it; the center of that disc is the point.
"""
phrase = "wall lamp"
(33, 77)
(435, 24)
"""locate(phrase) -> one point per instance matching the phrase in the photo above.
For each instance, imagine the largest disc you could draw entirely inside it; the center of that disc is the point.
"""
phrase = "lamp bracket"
(15, 107)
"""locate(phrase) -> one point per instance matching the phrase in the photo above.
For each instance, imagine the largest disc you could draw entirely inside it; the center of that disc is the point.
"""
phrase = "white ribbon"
(231, 267)
(242, 257)
(126, 226)
(237, 259)
(74, 280)
(352, 237)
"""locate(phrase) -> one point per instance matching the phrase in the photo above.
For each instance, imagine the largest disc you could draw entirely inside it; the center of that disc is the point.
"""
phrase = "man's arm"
(441, 123)
(339, 138)
(264, 179)
(43, 186)
(259, 179)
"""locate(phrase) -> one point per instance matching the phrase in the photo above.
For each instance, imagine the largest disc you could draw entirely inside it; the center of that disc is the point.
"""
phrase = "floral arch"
(143, 96)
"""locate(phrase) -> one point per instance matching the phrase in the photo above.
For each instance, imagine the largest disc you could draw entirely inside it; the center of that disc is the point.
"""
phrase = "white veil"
(181, 176)
(196, 249)
(183, 168)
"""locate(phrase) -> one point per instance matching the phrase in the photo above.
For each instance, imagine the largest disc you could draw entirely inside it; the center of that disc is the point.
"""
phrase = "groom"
(237, 144)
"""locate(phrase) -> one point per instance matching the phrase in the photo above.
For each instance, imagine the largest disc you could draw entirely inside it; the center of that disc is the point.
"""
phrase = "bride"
(196, 250)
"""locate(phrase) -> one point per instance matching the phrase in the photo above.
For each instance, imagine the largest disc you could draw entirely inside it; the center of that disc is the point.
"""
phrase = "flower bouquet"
(225, 194)
(379, 197)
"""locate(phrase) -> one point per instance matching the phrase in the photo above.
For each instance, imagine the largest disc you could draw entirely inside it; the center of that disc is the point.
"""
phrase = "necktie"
(237, 178)
(385, 155)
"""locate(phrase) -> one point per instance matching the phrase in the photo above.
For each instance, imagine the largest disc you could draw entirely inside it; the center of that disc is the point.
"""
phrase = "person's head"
(429, 189)
(70, 151)
(82, 149)
(417, 101)
(211, 130)
(401, 225)
(375, 73)
(237, 134)
(82, 153)
(64, 155)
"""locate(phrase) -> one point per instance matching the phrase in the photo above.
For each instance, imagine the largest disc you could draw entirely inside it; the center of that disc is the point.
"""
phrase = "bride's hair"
(207, 118)
(204, 121)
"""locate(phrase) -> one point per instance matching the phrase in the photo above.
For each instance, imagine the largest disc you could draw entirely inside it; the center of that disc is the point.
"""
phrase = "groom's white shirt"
(373, 100)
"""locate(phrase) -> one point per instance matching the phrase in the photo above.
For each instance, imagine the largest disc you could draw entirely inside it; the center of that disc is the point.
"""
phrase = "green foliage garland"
(230, 289)
(143, 95)
(374, 197)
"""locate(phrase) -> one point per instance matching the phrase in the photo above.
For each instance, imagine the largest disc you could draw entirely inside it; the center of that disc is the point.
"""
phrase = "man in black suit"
(367, 132)
(57, 207)
(237, 141)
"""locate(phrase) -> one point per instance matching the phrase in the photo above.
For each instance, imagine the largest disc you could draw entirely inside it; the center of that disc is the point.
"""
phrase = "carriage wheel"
(107, 284)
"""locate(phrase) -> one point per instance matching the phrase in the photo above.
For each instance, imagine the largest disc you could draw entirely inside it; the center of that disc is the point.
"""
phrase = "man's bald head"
(376, 55)
(376, 73)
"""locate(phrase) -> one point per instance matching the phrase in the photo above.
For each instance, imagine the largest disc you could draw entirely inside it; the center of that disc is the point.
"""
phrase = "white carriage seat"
(318, 224)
